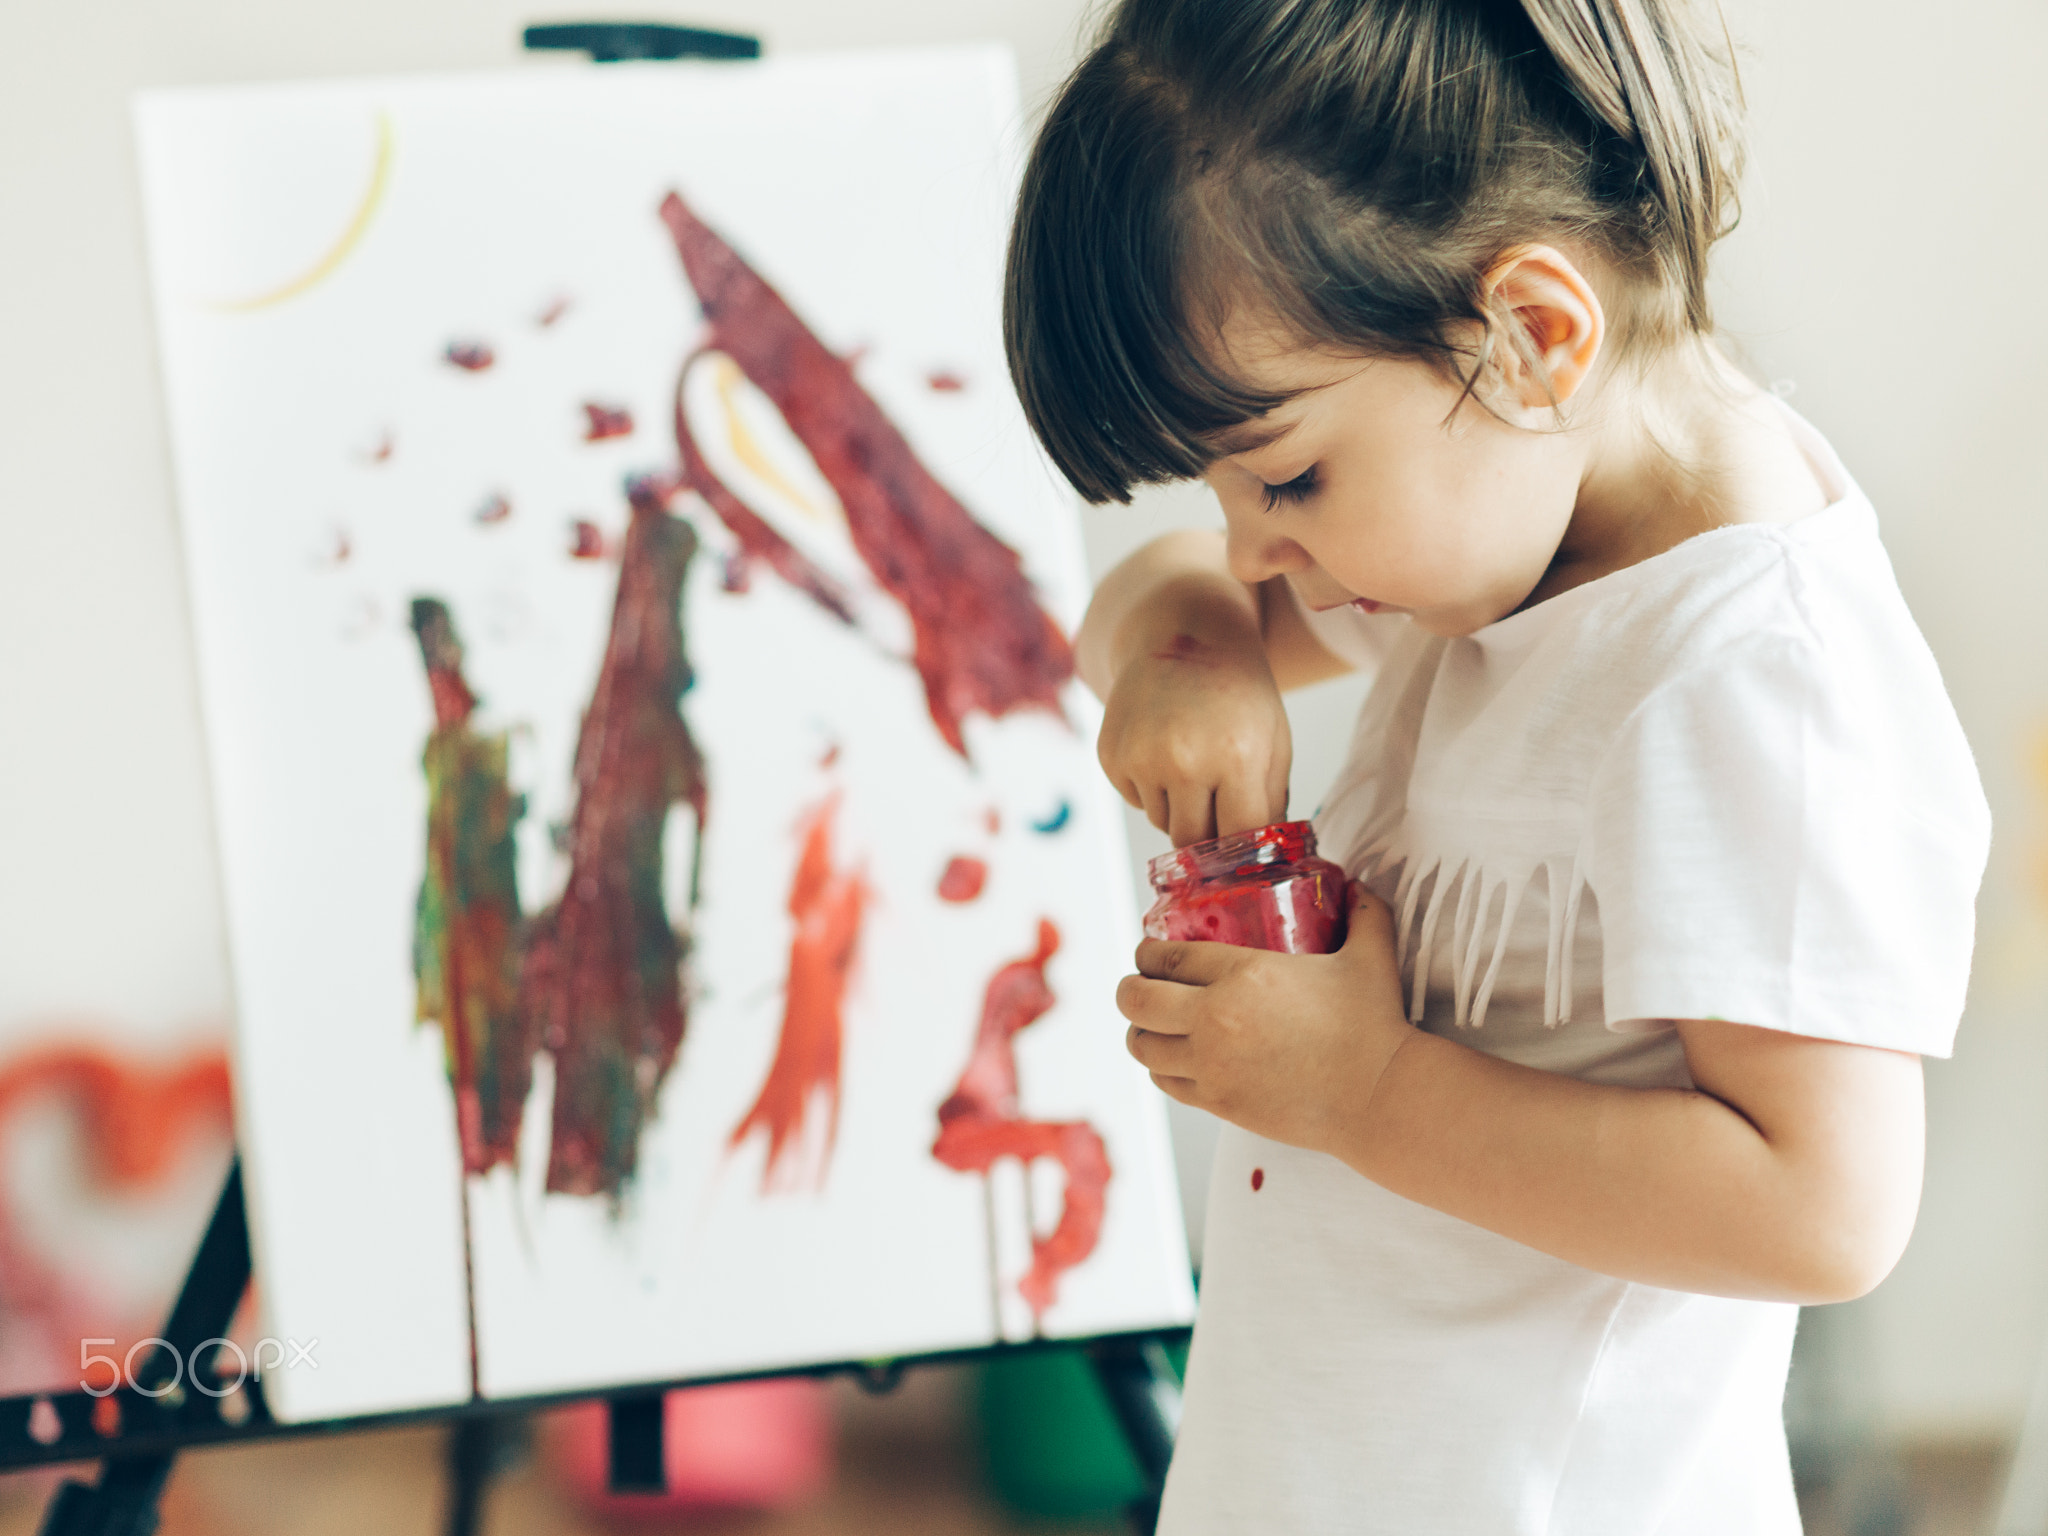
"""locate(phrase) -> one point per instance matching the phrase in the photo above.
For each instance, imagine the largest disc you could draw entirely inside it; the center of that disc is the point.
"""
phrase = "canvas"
(675, 911)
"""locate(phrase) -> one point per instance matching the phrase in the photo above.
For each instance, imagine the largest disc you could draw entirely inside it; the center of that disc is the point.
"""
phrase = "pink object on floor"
(742, 1445)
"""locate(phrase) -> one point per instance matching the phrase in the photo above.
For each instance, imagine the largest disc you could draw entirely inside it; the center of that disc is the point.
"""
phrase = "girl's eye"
(1297, 489)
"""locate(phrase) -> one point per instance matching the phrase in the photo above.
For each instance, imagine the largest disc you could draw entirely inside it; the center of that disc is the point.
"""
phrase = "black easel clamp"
(638, 1460)
(612, 42)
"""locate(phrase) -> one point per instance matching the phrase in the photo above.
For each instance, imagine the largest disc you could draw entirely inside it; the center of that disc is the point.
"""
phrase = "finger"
(1156, 807)
(1182, 1089)
(1188, 962)
(1194, 818)
(1245, 806)
(1370, 921)
(1162, 1007)
(1172, 1054)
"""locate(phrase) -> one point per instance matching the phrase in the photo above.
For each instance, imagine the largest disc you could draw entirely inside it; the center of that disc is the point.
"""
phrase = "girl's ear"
(1555, 325)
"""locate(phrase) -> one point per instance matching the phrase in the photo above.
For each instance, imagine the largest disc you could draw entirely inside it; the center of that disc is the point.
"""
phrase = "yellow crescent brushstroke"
(321, 270)
(749, 451)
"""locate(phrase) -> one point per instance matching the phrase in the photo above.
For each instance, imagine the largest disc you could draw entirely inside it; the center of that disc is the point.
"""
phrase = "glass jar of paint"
(1266, 889)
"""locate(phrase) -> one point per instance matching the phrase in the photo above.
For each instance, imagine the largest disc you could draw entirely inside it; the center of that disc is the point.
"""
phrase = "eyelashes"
(1300, 488)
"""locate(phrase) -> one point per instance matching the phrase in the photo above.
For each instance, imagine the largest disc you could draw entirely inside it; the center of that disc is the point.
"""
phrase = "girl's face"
(1376, 485)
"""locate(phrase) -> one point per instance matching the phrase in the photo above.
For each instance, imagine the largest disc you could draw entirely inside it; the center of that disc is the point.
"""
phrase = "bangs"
(1103, 344)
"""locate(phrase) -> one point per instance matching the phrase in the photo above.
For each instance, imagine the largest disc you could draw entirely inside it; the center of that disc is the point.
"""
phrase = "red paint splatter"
(1258, 1180)
(983, 642)
(602, 979)
(982, 1122)
(470, 356)
(736, 574)
(994, 821)
(495, 508)
(556, 308)
(1189, 651)
(587, 541)
(380, 451)
(603, 421)
(340, 547)
(830, 759)
(963, 879)
(828, 903)
(943, 381)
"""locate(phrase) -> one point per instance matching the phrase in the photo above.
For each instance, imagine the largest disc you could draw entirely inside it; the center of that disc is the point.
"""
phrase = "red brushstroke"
(943, 381)
(603, 969)
(829, 904)
(963, 880)
(557, 307)
(982, 1122)
(603, 421)
(993, 820)
(495, 508)
(983, 642)
(470, 356)
(587, 541)
(1258, 1180)
(380, 451)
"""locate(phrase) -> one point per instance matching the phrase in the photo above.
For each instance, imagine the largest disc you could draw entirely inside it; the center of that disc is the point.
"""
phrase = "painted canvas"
(674, 908)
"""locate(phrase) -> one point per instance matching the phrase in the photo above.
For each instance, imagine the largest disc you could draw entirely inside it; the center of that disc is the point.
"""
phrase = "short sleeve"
(1790, 834)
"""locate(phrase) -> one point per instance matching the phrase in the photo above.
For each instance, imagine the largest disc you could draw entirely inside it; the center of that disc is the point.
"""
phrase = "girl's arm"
(1181, 583)
(1190, 662)
(1791, 1172)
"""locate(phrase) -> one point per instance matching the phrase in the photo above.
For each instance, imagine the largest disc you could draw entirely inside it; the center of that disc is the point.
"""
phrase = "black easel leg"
(1144, 1394)
(472, 1457)
(124, 1501)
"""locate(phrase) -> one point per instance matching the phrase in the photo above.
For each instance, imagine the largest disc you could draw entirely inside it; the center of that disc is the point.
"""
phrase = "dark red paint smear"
(1258, 1180)
(586, 540)
(983, 643)
(963, 879)
(603, 421)
(981, 1123)
(470, 356)
(944, 381)
(494, 509)
(828, 903)
(602, 979)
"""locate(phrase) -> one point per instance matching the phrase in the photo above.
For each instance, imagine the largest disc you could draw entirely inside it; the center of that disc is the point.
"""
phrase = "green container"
(1052, 1444)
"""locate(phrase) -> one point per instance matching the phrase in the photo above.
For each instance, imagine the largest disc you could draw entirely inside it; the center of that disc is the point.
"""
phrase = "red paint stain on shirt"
(829, 902)
(586, 540)
(1258, 1180)
(943, 381)
(495, 508)
(963, 879)
(982, 1122)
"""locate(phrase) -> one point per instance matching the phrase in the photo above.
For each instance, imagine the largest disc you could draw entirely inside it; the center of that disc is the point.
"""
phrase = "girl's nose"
(1257, 553)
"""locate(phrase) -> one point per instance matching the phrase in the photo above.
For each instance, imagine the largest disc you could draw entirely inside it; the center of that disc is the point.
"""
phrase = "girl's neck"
(1686, 445)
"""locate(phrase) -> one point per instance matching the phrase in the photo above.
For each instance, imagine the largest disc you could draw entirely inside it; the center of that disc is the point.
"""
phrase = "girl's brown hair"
(1356, 167)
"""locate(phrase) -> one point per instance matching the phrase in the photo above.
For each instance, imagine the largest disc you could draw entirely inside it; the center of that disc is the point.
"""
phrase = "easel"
(165, 1405)
(163, 1409)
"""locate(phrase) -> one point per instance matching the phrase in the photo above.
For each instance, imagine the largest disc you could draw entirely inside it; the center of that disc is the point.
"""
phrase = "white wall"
(1885, 267)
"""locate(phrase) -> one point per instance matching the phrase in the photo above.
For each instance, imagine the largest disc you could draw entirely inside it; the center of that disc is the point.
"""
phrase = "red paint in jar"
(1265, 889)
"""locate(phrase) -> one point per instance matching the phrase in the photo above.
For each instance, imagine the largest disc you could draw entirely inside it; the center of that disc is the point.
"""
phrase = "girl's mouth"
(1365, 605)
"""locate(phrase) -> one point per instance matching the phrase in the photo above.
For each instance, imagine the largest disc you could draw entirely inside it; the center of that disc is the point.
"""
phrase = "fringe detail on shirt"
(1487, 899)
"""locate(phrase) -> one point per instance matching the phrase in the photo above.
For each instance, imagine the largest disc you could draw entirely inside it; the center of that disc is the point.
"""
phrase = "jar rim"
(1282, 842)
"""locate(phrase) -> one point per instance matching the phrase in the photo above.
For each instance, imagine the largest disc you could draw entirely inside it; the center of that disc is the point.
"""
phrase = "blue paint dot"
(1057, 820)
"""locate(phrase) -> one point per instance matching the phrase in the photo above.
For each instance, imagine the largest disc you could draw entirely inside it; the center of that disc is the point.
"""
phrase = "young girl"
(1666, 832)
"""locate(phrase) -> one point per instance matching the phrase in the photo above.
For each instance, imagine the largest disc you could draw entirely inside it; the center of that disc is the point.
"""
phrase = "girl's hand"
(1194, 735)
(1289, 1047)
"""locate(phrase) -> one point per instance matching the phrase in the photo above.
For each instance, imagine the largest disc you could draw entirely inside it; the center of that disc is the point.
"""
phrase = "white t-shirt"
(1723, 783)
